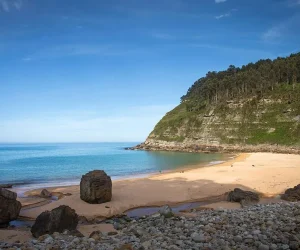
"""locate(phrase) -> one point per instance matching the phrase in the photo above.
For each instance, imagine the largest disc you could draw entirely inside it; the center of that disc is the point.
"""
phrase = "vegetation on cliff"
(258, 103)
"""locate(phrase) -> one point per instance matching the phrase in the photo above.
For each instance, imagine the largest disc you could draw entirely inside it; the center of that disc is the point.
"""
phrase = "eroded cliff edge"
(249, 109)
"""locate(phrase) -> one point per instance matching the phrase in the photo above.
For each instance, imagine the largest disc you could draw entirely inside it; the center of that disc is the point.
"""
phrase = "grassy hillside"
(221, 109)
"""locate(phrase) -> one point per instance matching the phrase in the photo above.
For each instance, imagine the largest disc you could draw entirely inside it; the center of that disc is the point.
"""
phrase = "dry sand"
(267, 173)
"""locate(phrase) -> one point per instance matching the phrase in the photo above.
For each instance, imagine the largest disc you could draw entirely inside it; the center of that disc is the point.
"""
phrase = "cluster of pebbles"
(263, 227)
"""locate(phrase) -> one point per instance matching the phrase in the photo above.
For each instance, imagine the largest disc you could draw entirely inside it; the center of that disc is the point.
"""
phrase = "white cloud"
(228, 14)
(8, 5)
(27, 59)
(164, 36)
(283, 30)
(4, 5)
(223, 15)
(18, 4)
(272, 33)
(220, 1)
(292, 3)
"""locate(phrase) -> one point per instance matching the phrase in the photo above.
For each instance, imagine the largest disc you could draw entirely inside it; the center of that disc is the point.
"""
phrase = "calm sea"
(64, 164)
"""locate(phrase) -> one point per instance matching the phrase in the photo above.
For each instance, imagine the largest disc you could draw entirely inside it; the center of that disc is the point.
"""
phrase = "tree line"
(253, 79)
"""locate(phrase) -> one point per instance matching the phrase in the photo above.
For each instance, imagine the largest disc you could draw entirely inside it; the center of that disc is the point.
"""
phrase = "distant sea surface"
(65, 163)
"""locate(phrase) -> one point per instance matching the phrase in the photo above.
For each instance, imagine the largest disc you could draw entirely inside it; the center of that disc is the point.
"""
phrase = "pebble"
(48, 240)
(198, 237)
(260, 227)
(263, 247)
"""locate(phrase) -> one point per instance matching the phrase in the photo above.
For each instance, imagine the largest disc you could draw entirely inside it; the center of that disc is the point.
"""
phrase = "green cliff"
(257, 104)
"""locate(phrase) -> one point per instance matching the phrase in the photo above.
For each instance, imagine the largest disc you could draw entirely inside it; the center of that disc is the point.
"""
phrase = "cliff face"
(247, 125)
(253, 108)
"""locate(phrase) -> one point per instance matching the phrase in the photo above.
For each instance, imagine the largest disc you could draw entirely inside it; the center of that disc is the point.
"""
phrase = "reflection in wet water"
(144, 211)
(21, 223)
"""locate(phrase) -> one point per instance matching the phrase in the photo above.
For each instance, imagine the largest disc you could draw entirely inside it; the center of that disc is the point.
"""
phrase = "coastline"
(272, 175)
(193, 147)
(23, 189)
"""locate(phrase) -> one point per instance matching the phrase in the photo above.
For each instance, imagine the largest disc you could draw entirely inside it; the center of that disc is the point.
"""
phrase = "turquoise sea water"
(64, 164)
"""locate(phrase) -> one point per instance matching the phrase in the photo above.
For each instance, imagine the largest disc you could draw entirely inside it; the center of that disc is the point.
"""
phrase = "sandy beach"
(267, 173)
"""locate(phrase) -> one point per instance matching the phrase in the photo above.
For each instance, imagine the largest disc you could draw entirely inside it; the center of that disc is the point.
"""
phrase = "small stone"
(256, 232)
(166, 211)
(118, 226)
(294, 245)
(48, 240)
(112, 233)
(285, 246)
(199, 238)
(43, 237)
(263, 247)
(126, 247)
(34, 242)
(238, 238)
(75, 240)
(147, 244)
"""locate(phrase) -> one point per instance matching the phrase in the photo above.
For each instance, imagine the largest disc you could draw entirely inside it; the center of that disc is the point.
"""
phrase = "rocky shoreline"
(192, 147)
(263, 227)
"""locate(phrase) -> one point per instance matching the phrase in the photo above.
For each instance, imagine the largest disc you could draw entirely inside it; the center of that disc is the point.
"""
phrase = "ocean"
(62, 164)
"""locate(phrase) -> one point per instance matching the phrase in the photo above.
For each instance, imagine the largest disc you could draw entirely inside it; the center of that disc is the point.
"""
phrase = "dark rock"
(6, 186)
(287, 110)
(125, 247)
(56, 220)
(244, 197)
(118, 226)
(76, 233)
(45, 193)
(112, 233)
(292, 194)
(96, 235)
(166, 211)
(96, 187)
(9, 206)
(82, 220)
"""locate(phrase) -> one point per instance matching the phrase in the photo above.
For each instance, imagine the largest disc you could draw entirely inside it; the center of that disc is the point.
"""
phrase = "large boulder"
(46, 194)
(9, 206)
(96, 187)
(56, 220)
(243, 197)
(292, 194)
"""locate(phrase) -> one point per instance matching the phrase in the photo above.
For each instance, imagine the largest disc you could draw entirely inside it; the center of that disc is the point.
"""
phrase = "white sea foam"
(215, 162)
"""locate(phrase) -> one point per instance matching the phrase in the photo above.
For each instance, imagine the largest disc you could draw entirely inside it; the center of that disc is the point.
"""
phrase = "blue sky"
(95, 70)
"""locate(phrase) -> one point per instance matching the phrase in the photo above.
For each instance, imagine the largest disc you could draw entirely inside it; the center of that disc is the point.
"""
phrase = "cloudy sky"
(93, 70)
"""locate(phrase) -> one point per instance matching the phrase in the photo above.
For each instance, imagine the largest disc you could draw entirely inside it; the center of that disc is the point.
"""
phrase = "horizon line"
(70, 142)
